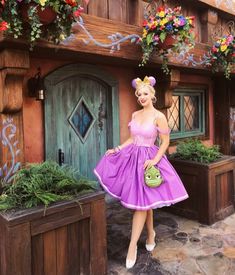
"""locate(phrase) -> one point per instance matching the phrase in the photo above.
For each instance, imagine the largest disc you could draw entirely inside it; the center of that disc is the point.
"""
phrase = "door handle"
(61, 157)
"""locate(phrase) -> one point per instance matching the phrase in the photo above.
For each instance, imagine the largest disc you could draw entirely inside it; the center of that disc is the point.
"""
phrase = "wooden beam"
(94, 39)
(224, 5)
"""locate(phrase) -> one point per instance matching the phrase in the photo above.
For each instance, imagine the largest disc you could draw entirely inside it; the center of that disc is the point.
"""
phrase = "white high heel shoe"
(131, 263)
(150, 247)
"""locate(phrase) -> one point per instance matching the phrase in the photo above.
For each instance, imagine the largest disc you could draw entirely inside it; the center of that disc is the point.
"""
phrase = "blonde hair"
(148, 82)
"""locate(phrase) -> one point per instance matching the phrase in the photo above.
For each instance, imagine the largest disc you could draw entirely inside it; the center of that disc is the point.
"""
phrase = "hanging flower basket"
(39, 19)
(222, 55)
(166, 29)
(46, 15)
(168, 43)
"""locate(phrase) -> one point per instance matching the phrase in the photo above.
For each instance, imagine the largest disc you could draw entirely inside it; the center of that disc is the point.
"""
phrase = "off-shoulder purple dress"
(122, 174)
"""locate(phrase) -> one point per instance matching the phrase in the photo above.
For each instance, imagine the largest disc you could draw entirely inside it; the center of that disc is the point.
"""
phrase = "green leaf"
(162, 36)
(149, 38)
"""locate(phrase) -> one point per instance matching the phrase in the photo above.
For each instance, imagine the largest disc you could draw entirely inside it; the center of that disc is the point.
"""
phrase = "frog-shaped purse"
(152, 177)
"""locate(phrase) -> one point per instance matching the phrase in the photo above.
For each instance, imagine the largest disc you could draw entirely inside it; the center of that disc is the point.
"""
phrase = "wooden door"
(78, 120)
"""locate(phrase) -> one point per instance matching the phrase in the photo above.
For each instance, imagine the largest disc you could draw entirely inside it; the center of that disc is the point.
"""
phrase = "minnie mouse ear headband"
(148, 80)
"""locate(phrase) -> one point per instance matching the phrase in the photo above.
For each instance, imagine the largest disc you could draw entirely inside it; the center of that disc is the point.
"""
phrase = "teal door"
(79, 119)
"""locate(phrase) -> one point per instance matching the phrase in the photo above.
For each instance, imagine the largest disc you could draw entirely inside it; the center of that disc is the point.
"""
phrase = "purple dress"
(122, 174)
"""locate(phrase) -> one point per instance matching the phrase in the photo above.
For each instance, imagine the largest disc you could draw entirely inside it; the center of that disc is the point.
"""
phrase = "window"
(186, 117)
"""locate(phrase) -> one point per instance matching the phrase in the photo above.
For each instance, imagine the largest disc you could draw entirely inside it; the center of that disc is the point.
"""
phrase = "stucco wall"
(33, 115)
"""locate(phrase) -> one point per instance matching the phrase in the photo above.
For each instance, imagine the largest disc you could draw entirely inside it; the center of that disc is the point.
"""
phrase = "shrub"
(44, 183)
(195, 150)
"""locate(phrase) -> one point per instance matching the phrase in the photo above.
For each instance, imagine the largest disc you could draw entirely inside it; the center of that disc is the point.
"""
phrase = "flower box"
(211, 189)
(66, 239)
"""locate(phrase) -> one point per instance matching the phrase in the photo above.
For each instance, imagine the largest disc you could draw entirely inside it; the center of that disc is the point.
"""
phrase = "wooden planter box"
(64, 241)
(211, 189)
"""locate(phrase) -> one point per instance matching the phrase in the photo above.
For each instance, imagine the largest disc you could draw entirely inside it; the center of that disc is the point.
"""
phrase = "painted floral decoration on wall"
(39, 19)
(222, 55)
(166, 29)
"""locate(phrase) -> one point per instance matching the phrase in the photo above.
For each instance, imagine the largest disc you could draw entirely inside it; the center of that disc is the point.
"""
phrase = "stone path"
(184, 247)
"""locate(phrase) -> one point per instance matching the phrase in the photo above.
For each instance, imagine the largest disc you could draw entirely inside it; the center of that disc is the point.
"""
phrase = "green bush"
(44, 183)
(195, 150)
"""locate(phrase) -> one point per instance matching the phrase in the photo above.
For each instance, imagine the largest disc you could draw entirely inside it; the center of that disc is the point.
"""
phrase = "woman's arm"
(120, 147)
(125, 143)
(164, 138)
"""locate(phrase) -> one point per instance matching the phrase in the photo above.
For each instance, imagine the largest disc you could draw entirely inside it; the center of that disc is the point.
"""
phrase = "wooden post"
(165, 89)
(209, 19)
(13, 67)
(98, 238)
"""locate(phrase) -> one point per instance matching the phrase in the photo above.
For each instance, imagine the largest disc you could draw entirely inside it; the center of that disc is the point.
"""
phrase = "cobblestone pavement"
(184, 247)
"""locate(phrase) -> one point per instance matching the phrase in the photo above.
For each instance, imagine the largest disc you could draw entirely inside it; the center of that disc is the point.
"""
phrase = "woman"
(121, 170)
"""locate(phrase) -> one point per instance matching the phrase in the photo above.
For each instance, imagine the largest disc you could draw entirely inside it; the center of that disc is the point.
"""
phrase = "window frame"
(181, 92)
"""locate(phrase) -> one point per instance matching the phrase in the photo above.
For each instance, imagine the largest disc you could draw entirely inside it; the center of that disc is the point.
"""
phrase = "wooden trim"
(226, 6)
(21, 216)
(66, 217)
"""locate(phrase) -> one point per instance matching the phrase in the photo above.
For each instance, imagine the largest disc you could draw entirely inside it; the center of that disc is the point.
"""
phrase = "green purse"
(152, 177)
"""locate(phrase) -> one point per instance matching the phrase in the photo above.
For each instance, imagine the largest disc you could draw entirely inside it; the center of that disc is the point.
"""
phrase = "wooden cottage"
(88, 99)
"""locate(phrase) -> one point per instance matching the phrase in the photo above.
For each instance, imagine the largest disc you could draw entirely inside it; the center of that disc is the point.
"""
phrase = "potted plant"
(39, 19)
(57, 218)
(222, 55)
(43, 183)
(163, 29)
(208, 177)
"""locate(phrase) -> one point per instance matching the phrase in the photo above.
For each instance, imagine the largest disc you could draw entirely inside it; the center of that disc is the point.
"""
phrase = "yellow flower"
(144, 33)
(162, 13)
(223, 40)
(62, 37)
(163, 22)
(223, 48)
(42, 2)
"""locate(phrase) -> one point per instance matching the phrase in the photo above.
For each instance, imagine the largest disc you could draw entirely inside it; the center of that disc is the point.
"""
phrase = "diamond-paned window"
(186, 116)
(82, 119)
(191, 118)
(173, 115)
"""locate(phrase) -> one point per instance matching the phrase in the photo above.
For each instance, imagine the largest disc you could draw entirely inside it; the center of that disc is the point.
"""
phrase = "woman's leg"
(138, 222)
(150, 228)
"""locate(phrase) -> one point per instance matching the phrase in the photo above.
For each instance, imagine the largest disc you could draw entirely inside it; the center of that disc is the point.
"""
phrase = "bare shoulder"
(159, 115)
(160, 119)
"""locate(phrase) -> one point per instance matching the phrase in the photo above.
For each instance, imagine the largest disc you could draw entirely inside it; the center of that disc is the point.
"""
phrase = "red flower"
(161, 9)
(3, 26)
(145, 23)
(72, 3)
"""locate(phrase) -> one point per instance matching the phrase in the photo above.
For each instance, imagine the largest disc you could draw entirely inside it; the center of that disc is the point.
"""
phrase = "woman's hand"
(110, 151)
(149, 162)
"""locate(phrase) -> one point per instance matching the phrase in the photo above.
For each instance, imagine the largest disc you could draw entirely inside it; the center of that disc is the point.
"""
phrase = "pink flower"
(78, 12)
(229, 38)
(156, 38)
